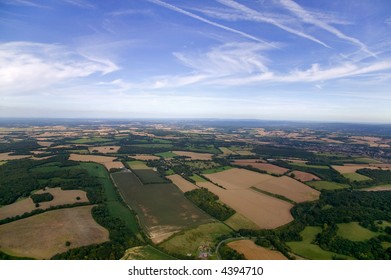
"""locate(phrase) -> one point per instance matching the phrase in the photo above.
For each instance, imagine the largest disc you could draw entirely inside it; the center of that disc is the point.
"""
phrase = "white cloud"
(26, 66)
(81, 4)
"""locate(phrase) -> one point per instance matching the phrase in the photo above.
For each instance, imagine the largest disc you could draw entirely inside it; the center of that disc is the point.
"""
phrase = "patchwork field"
(194, 155)
(265, 211)
(48, 232)
(107, 161)
(104, 149)
(145, 253)
(268, 167)
(251, 251)
(226, 151)
(8, 156)
(182, 183)
(189, 241)
(162, 208)
(304, 176)
(144, 157)
(27, 205)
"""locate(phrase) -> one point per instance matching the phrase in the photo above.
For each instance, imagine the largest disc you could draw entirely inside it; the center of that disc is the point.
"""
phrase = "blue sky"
(326, 60)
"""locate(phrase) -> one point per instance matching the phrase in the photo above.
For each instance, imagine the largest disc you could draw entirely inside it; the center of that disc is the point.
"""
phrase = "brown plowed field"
(182, 183)
(304, 176)
(269, 168)
(265, 211)
(7, 156)
(27, 205)
(254, 252)
(105, 160)
(44, 235)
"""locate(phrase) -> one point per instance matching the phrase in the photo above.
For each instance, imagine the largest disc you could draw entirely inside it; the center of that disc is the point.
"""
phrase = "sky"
(324, 60)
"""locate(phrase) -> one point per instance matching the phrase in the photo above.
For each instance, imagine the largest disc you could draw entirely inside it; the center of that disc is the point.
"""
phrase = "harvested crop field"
(226, 151)
(145, 157)
(182, 183)
(104, 149)
(251, 251)
(193, 155)
(107, 161)
(44, 235)
(236, 178)
(304, 176)
(268, 167)
(162, 208)
(27, 205)
(289, 188)
(145, 253)
(8, 156)
(45, 143)
(265, 211)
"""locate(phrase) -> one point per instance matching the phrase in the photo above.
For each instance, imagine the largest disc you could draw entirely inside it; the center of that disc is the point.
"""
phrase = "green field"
(158, 204)
(356, 177)
(113, 201)
(81, 152)
(198, 178)
(326, 185)
(215, 170)
(136, 164)
(354, 232)
(302, 164)
(148, 176)
(161, 141)
(306, 249)
(2, 162)
(146, 253)
(166, 155)
(238, 221)
(187, 242)
(90, 140)
(366, 160)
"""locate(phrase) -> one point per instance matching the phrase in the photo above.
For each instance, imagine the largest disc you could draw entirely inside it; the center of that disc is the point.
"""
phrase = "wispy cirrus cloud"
(27, 66)
(28, 3)
(307, 17)
(207, 21)
(81, 4)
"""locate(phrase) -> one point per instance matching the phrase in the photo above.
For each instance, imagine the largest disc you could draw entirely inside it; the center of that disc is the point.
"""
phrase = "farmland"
(55, 228)
(269, 185)
(267, 167)
(263, 210)
(252, 251)
(108, 162)
(162, 208)
(27, 205)
(182, 184)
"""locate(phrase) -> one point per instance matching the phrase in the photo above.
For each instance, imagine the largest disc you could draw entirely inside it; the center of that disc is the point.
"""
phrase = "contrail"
(179, 10)
(257, 16)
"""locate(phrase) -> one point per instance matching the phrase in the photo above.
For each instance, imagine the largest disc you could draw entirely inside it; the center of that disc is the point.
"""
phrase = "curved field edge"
(58, 227)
